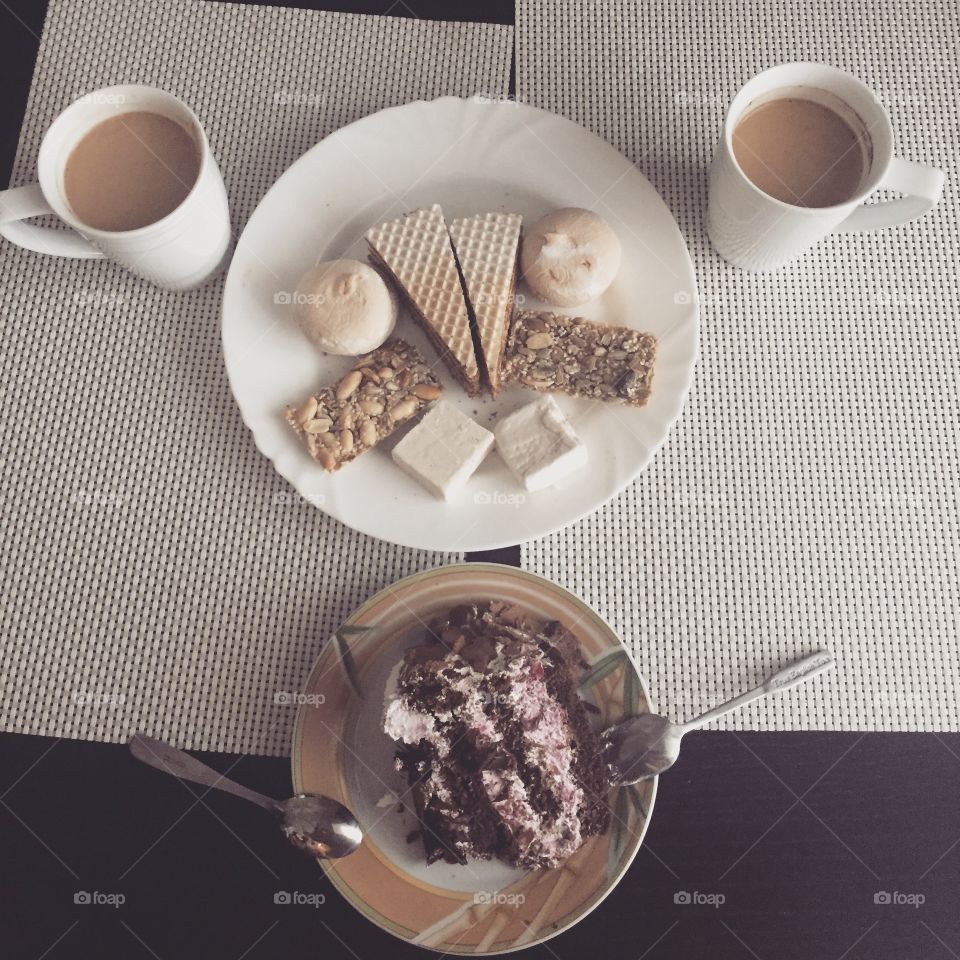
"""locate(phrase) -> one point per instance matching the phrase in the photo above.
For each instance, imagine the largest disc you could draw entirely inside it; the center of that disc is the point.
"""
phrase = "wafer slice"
(415, 250)
(486, 247)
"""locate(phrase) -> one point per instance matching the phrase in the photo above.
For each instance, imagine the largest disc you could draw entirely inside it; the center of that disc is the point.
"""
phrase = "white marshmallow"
(538, 444)
(443, 450)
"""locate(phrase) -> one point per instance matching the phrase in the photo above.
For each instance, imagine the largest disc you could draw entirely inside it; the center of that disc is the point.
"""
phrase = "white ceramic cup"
(753, 230)
(180, 251)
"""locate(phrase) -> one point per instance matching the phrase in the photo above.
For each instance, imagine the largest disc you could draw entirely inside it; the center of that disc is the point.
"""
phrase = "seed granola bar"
(384, 389)
(559, 354)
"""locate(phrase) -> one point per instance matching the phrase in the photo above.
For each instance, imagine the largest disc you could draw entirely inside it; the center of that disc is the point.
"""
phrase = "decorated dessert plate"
(469, 156)
(340, 749)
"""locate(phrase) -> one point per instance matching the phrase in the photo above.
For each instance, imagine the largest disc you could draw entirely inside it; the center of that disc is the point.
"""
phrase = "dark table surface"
(821, 846)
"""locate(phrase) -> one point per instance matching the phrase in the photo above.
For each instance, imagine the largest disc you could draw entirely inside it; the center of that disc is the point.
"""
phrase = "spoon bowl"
(640, 747)
(645, 745)
(320, 826)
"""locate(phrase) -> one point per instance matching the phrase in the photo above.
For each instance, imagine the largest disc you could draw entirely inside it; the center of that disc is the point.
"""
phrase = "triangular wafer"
(486, 246)
(415, 250)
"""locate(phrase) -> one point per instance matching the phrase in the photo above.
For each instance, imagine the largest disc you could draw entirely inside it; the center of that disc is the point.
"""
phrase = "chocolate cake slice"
(495, 741)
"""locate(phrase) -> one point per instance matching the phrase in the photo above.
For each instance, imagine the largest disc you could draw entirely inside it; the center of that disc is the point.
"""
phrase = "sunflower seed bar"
(559, 354)
(384, 389)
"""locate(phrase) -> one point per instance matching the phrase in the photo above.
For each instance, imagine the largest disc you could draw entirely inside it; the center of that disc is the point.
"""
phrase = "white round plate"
(471, 156)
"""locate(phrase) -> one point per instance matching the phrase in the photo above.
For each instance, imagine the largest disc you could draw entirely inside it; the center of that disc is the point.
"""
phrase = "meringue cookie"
(345, 307)
(570, 257)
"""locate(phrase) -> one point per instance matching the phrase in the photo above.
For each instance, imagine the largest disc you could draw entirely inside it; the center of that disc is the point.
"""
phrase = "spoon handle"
(789, 676)
(160, 755)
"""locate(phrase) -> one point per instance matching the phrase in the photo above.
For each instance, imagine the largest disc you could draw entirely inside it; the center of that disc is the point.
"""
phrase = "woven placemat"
(155, 573)
(809, 494)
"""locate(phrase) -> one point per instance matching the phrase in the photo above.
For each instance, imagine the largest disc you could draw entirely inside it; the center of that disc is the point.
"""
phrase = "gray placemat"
(809, 493)
(155, 573)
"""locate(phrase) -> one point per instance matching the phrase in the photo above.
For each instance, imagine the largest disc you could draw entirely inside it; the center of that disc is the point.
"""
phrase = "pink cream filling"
(546, 738)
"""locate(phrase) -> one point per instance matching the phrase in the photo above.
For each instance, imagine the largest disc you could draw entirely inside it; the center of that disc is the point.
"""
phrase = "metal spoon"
(317, 825)
(645, 745)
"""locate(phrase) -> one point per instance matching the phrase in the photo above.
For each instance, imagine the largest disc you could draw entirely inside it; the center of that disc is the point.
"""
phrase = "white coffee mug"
(180, 251)
(753, 230)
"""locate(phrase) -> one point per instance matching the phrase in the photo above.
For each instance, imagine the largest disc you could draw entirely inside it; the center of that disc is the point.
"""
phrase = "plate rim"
(509, 572)
(427, 541)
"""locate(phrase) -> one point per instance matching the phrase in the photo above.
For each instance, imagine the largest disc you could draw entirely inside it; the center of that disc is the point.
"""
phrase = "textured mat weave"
(809, 494)
(155, 573)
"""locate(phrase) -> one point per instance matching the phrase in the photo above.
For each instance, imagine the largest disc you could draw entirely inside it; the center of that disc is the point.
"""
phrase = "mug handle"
(922, 184)
(18, 204)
